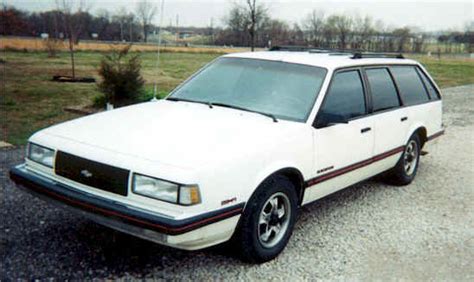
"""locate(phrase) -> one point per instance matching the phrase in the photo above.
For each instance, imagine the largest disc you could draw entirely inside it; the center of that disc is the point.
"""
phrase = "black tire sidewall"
(251, 248)
(400, 175)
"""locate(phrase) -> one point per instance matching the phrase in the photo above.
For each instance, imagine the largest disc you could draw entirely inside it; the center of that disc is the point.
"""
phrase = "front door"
(343, 136)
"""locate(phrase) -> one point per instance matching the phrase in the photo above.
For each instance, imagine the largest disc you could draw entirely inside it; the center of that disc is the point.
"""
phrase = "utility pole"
(130, 19)
(212, 31)
(177, 29)
(121, 29)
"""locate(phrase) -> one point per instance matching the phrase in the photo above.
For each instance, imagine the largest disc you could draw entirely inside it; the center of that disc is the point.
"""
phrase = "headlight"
(165, 190)
(40, 154)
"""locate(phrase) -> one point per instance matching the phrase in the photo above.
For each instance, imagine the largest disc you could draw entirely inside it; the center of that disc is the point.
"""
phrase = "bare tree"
(403, 36)
(121, 17)
(52, 46)
(252, 10)
(102, 23)
(255, 14)
(314, 24)
(329, 31)
(469, 35)
(73, 23)
(236, 27)
(276, 32)
(363, 31)
(130, 22)
(244, 22)
(146, 11)
(343, 26)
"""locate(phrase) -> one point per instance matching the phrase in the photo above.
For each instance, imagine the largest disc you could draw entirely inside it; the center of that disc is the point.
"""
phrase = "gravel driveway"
(368, 231)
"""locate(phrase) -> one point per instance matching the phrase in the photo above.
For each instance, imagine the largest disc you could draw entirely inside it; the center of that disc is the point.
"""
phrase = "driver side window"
(345, 99)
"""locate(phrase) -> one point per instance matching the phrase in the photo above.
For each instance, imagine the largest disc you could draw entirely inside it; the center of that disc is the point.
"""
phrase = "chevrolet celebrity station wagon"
(233, 152)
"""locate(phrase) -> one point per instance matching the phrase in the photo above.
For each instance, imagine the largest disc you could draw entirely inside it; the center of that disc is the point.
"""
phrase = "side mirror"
(325, 120)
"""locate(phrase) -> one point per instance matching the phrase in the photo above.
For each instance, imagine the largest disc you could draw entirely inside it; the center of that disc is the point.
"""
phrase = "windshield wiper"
(190, 101)
(210, 104)
(244, 109)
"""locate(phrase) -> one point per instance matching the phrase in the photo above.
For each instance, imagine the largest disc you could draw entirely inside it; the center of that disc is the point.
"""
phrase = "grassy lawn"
(449, 72)
(31, 101)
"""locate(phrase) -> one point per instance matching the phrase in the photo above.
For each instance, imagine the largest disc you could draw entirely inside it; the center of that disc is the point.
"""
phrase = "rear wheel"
(405, 170)
(267, 222)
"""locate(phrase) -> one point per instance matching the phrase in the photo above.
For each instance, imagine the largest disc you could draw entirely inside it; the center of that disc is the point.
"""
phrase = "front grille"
(90, 173)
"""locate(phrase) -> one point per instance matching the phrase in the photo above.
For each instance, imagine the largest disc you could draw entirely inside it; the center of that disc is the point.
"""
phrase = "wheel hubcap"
(274, 220)
(410, 157)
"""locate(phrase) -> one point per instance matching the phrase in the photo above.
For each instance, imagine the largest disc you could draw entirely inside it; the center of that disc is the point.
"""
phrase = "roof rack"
(291, 48)
(335, 51)
(356, 53)
(360, 55)
(311, 49)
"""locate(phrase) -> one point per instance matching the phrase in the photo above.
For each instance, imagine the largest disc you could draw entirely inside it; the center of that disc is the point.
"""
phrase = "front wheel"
(405, 170)
(267, 222)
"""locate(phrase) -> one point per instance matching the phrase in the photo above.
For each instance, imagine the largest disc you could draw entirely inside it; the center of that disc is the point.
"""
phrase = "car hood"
(182, 134)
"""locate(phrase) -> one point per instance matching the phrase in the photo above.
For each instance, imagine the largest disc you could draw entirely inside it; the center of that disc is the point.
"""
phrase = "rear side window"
(429, 86)
(410, 85)
(345, 98)
(384, 93)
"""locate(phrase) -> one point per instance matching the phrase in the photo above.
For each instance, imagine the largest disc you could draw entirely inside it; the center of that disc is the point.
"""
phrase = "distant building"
(183, 34)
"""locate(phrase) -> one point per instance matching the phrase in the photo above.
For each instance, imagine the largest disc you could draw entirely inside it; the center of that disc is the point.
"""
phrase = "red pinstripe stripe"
(171, 230)
(438, 134)
(352, 167)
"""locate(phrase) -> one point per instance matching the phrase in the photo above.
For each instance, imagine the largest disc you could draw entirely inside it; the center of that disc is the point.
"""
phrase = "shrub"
(99, 101)
(148, 94)
(52, 46)
(121, 82)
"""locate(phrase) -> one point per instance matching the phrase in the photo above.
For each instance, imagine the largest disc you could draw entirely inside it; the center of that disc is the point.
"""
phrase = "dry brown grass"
(37, 44)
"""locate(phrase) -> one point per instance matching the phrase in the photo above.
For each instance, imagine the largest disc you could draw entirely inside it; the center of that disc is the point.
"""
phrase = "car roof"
(329, 61)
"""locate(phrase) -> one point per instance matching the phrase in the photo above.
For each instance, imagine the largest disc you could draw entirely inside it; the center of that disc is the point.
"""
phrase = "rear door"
(422, 108)
(390, 119)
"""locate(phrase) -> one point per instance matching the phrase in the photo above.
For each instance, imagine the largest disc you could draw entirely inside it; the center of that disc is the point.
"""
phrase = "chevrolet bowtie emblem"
(86, 173)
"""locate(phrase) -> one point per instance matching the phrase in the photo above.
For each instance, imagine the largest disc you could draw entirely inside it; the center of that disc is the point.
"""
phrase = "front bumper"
(190, 233)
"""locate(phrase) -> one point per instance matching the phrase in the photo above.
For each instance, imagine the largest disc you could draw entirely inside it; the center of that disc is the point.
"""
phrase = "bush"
(99, 101)
(122, 82)
(52, 46)
(148, 94)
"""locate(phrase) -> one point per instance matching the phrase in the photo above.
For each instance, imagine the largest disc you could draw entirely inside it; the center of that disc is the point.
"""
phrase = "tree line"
(247, 23)
(123, 25)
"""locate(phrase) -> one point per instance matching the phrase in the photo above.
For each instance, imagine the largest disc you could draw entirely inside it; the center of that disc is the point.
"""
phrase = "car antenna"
(157, 63)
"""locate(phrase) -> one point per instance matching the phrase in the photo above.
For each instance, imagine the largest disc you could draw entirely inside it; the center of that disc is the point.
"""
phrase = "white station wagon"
(234, 151)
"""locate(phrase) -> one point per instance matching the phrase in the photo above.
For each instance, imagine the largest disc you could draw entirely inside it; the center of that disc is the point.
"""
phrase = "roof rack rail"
(291, 48)
(356, 53)
(311, 49)
(335, 51)
(360, 55)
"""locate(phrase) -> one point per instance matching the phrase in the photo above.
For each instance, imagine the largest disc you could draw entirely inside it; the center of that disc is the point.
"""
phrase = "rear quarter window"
(434, 95)
(411, 87)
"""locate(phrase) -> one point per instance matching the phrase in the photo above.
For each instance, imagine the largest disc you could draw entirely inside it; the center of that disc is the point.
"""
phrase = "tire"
(258, 237)
(405, 170)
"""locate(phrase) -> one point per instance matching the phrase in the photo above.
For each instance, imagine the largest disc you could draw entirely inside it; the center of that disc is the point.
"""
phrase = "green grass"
(31, 101)
(450, 72)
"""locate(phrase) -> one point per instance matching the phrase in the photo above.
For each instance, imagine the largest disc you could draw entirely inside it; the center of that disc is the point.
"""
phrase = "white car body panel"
(228, 152)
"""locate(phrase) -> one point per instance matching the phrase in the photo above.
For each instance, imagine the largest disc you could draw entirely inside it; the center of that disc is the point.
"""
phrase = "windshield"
(284, 90)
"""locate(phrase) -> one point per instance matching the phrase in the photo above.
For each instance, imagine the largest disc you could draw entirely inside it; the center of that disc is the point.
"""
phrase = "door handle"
(364, 130)
(403, 119)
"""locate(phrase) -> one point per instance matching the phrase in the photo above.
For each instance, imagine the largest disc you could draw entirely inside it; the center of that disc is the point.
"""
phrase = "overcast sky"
(428, 15)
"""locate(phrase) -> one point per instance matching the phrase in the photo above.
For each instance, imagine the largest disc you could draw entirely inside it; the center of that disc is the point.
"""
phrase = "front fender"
(275, 168)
